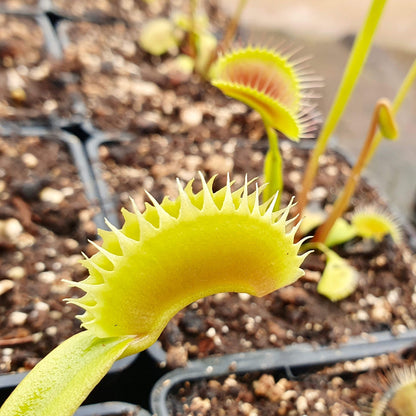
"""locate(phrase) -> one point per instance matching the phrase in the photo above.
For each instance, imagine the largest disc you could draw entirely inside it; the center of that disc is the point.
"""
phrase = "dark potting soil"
(229, 323)
(45, 221)
(124, 88)
(34, 87)
(343, 389)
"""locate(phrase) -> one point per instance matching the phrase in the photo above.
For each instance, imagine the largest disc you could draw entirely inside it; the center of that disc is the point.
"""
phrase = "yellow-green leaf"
(312, 219)
(340, 233)
(159, 36)
(339, 278)
(59, 383)
(386, 120)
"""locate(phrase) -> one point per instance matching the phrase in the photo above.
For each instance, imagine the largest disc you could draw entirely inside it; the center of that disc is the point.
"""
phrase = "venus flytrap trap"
(161, 260)
(399, 398)
(271, 84)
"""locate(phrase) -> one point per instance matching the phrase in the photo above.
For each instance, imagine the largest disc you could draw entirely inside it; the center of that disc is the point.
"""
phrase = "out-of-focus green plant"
(160, 261)
(190, 33)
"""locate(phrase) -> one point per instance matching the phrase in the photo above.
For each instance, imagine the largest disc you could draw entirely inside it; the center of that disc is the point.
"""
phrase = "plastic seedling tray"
(297, 359)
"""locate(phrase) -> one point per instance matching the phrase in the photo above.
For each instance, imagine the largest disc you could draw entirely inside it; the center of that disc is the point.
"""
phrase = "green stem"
(273, 167)
(59, 383)
(352, 71)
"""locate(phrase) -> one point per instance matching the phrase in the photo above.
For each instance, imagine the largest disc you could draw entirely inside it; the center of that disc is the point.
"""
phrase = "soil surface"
(45, 221)
(35, 89)
(344, 389)
(123, 87)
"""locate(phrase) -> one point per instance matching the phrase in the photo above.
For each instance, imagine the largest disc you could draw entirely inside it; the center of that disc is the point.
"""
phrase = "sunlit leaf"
(386, 121)
(159, 36)
(339, 279)
(340, 233)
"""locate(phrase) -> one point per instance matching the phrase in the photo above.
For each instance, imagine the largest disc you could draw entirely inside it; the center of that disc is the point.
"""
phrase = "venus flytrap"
(382, 118)
(371, 222)
(368, 223)
(339, 279)
(161, 260)
(271, 84)
(400, 395)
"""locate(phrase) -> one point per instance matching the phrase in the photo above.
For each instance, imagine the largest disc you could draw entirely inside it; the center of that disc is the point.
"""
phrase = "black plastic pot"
(292, 361)
(108, 202)
(111, 409)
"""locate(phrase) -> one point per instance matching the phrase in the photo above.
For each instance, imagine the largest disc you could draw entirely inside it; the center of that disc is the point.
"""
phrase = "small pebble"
(362, 315)
(30, 160)
(192, 116)
(244, 296)
(51, 331)
(11, 228)
(56, 315)
(318, 194)
(41, 306)
(301, 404)
(51, 195)
(200, 406)
(379, 313)
(219, 164)
(211, 332)
(18, 318)
(49, 106)
(16, 273)
(5, 286)
(177, 356)
(40, 266)
(47, 277)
